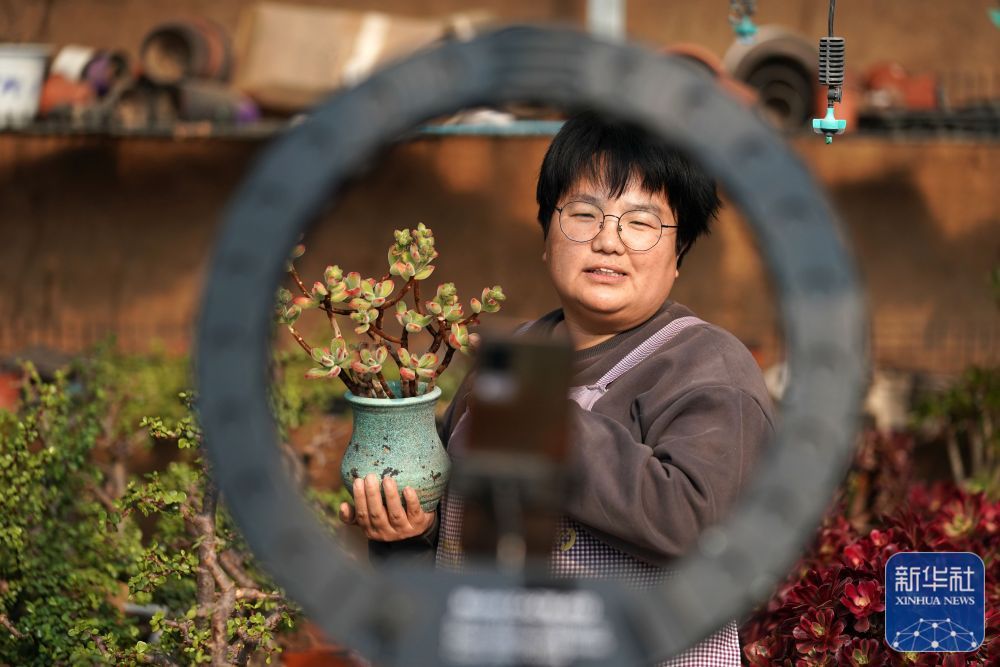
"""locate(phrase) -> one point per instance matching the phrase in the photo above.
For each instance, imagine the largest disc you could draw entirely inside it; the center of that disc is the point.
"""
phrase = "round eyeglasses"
(582, 221)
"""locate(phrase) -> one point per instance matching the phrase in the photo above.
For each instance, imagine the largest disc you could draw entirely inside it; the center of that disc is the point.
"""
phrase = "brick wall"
(104, 235)
(113, 235)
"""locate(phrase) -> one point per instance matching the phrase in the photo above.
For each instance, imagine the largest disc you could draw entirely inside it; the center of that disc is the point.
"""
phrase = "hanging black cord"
(833, 5)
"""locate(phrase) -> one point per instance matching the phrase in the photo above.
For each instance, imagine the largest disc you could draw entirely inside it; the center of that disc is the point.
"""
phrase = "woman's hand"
(389, 522)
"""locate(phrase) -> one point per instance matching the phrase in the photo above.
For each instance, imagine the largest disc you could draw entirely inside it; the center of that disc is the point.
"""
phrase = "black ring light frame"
(735, 564)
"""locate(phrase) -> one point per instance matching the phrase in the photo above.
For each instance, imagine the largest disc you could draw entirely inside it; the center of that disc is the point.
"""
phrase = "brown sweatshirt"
(665, 452)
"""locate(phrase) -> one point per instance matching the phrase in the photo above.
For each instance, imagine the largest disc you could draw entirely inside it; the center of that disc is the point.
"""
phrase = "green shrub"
(62, 565)
(212, 605)
(966, 415)
(80, 582)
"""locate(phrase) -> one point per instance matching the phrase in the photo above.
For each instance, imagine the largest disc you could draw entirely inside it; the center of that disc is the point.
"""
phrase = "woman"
(670, 413)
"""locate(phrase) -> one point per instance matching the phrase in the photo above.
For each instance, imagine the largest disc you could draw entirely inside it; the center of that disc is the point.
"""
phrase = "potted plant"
(394, 431)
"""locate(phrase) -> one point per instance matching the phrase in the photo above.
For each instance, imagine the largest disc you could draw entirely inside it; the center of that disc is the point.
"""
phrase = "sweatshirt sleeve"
(414, 551)
(653, 497)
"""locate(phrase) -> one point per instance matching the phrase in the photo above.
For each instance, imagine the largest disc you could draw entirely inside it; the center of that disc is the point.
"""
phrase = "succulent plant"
(366, 300)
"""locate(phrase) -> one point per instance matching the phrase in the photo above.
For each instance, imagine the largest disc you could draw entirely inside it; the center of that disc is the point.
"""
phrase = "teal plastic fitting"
(745, 29)
(829, 125)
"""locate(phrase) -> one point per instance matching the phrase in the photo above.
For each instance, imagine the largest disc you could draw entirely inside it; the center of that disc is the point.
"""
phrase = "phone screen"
(513, 478)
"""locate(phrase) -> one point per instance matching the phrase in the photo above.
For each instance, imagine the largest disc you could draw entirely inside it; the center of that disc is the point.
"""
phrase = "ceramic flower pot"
(398, 437)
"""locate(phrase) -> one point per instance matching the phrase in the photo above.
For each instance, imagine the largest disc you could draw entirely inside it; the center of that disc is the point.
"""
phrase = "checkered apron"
(580, 554)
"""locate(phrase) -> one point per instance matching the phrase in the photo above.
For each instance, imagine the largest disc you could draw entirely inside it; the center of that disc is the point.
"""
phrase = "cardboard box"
(289, 57)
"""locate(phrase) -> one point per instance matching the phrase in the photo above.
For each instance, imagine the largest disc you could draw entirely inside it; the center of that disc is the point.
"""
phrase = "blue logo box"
(935, 601)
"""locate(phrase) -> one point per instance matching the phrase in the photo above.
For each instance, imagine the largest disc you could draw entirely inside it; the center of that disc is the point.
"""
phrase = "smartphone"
(513, 477)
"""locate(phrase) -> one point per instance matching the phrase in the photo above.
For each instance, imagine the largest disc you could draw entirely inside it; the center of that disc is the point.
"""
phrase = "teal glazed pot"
(398, 437)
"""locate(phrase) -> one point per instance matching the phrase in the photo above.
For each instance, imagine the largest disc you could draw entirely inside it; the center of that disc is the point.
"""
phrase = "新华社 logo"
(935, 601)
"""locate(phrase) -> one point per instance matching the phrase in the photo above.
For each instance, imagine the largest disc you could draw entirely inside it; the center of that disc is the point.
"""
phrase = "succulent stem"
(328, 307)
(438, 334)
(441, 369)
(302, 286)
(385, 386)
(416, 298)
(402, 293)
(381, 334)
(300, 340)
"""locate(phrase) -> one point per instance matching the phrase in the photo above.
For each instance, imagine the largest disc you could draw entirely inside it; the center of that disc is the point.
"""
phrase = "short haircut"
(615, 154)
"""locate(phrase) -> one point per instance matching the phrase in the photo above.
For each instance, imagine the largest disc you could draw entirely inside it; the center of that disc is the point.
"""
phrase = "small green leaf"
(333, 274)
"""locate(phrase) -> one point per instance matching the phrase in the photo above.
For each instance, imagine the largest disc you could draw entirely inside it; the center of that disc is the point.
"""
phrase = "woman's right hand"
(388, 522)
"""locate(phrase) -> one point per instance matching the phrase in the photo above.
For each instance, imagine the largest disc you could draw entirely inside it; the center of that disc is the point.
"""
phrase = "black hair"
(615, 154)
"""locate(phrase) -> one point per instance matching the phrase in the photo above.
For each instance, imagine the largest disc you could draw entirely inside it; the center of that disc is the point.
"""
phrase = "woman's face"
(603, 302)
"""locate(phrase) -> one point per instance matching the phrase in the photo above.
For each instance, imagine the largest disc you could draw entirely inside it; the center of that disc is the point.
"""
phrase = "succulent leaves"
(331, 360)
(459, 338)
(322, 373)
(376, 293)
(413, 367)
(285, 311)
(297, 252)
(334, 278)
(364, 300)
(364, 319)
(333, 275)
(352, 283)
(412, 253)
(411, 320)
(444, 302)
(492, 296)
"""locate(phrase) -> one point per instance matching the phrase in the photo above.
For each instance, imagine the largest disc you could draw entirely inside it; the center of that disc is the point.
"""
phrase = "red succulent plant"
(830, 609)
(819, 631)
(862, 653)
(764, 652)
(863, 599)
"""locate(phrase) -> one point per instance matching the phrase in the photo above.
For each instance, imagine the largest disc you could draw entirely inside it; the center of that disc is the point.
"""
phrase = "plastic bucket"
(22, 70)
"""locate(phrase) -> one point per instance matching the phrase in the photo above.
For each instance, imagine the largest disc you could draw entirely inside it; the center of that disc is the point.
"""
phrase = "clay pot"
(398, 437)
(195, 48)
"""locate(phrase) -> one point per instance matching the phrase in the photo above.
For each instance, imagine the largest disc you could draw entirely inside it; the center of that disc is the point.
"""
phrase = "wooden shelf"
(265, 130)
(893, 128)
